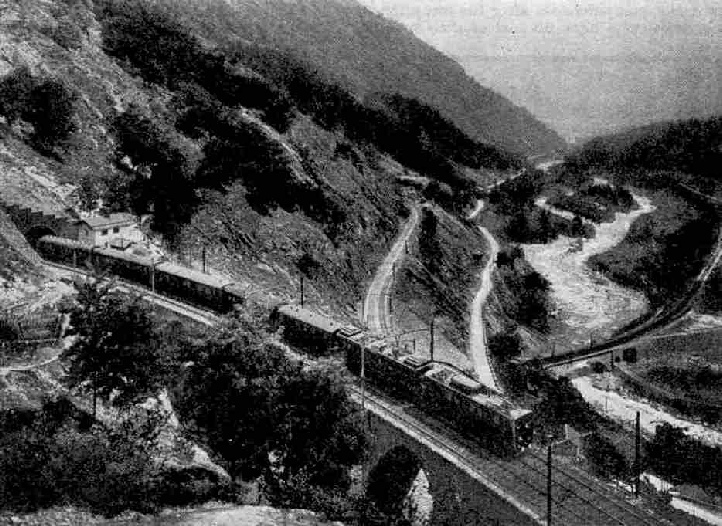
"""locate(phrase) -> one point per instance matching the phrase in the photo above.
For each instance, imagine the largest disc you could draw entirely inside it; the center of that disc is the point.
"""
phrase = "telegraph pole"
(549, 485)
(637, 456)
(431, 339)
(301, 290)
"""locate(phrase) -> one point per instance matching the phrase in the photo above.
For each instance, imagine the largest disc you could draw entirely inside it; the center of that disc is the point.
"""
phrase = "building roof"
(100, 222)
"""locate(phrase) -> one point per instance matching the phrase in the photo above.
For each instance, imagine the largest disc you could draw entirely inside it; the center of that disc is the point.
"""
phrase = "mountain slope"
(693, 146)
(369, 54)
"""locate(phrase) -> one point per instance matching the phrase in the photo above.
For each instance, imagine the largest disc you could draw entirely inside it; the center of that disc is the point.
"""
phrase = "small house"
(112, 230)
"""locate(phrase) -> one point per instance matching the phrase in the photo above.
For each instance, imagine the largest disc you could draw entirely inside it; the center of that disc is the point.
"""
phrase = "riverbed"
(590, 307)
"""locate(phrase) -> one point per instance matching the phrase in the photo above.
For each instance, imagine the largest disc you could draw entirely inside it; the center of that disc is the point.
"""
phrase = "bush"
(599, 367)
(682, 459)
(604, 457)
(47, 104)
(56, 459)
(505, 345)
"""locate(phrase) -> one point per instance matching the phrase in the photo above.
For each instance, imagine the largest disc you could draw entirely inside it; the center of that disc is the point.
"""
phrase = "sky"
(584, 67)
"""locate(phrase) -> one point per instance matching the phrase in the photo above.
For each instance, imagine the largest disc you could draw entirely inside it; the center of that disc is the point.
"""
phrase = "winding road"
(376, 312)
(478, 349)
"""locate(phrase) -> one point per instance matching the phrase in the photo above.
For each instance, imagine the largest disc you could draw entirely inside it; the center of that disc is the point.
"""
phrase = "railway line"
(658, 320)
(577, 499)
(205, 316)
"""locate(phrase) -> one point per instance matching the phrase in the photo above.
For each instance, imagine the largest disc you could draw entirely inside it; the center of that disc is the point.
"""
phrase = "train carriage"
(67, 251)
(138, 269)
(191, 285)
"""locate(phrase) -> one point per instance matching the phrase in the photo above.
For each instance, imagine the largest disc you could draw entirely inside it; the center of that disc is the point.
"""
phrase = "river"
(589, 305)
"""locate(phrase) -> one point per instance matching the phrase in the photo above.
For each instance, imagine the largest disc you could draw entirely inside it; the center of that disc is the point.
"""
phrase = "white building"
(114, 230)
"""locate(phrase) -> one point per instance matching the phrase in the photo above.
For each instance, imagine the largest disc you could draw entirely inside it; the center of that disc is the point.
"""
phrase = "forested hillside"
(369, 54)
(693, 146)
(230, 142)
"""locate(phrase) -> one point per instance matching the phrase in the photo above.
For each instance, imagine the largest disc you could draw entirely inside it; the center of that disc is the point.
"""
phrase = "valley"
(287, 256)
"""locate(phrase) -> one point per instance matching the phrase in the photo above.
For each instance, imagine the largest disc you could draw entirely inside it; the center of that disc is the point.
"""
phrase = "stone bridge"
(458, 497)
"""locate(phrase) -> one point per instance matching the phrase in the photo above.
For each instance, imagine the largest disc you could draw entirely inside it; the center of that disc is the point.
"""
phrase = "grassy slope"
(370, 54)
(449, 282)
(362, 183)
(273, 251)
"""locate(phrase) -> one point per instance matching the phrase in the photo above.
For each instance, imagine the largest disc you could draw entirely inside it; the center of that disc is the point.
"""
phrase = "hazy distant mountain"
(368, 54)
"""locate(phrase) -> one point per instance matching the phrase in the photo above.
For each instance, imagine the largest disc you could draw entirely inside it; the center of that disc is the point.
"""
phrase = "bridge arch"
(399, 486)
(457, 497)
(34, 233)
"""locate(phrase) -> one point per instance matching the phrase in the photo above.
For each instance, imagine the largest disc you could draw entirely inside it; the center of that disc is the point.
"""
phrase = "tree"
(321, 435)
(229, 391)
(51, 112)
(64, 458)
(605, 457)
(505, 345)
(267, 416)
(116, 353)
(15, 92)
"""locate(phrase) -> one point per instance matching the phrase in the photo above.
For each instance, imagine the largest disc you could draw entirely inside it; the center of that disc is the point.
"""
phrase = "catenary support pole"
(637, 456)
(431, 340)
(549, 485)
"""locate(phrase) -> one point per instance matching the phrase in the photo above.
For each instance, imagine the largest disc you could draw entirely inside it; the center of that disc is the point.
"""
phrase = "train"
(160, 276)
(436, 388)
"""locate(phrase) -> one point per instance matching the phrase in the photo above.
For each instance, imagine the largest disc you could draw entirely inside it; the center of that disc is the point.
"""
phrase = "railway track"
(577, 499)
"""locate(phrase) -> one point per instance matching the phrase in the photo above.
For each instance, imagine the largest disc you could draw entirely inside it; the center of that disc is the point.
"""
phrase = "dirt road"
(478, 348)
(376, 312)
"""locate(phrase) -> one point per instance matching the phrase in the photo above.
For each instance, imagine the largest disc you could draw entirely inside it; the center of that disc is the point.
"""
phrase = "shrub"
(604, 457)
(47, 104)
(58, 459)
(505, 345)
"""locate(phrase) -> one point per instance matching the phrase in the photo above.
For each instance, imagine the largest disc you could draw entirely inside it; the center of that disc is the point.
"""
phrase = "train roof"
(65, 241)
(125, 256)
(192, 275)
(315, 319)
(478, 392)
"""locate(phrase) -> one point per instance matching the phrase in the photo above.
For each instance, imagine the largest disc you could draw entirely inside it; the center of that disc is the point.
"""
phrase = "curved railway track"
(660, 319)
(199, 314)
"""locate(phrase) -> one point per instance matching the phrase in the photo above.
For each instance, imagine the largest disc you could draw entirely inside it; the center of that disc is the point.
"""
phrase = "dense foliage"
(596, 202)
(505, 345)
(412, 132)
(265, 415)
(691, 146)
(604, 457)
(561, 404)
(666, 262)
(59, 456)
(47, 104)
(157, 47)
(529, 302)
(116, 353)
(681, 459)
(529, 223)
